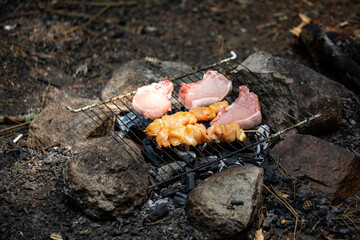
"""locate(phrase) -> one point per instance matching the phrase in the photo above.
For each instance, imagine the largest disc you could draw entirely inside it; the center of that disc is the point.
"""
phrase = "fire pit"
(168, 164)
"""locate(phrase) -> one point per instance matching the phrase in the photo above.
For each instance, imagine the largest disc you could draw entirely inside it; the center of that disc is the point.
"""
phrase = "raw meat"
(229, 132)
(170, 121)
(214, 87)
(183, 118)
(153, 101)
(245, 110)
(209, 113)
(190, 135)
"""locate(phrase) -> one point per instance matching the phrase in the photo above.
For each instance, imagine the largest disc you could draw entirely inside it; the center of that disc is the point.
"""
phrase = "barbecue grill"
(165, 165)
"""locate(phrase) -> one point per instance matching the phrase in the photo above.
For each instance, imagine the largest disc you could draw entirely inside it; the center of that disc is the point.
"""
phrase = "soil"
(71, 48)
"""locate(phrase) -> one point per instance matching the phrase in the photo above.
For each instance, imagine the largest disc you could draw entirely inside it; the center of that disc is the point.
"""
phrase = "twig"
(13, 127)
(287, 205)
(20, 15)
(98, 4)
(91, 19)
(24, 163)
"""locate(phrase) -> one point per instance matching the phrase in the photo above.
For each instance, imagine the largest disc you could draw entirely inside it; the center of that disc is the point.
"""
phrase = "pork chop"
(214, 87)
(245, 110)
(153, 101)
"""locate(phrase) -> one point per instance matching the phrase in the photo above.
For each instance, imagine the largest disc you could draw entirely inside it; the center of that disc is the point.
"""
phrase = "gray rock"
(207, 204)
(57, 125)
(107, 178)
(290, 88)
(137, 73)
(332, 170)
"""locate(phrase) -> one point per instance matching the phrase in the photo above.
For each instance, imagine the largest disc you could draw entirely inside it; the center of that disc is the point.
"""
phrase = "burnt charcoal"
(345, 231)
(330, 223)
(206, 174)
(277, 232)
(236, 202)
(187, 156)
(136, 134)
(180, 194)
(160, 211)
(270, 218)
(190, 181)
(330, 214)
(172, 190)
(206, 162)
(180, 199)
(149, 154)
(322, 210)
(198, 181)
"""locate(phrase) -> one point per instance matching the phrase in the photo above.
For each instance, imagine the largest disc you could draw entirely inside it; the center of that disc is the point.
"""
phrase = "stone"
(57, 125)
(331, 169)
(285, 87)
(207, 208)
(107, 178)
(137, 73)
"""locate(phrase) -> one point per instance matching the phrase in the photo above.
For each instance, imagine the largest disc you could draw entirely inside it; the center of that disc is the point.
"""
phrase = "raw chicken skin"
(214, 87)
(153, 101)
(245, 110)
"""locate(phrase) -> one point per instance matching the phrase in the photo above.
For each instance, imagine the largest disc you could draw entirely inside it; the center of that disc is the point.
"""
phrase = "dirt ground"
(72, 47)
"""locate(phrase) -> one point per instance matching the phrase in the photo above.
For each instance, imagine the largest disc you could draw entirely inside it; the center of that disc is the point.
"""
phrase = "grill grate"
(167, 165)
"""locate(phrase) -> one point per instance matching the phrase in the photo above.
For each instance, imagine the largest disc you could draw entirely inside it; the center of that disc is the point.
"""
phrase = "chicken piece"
(190, 135)
(170, 121)
(209, 113)
(203, 113)
(245, 110)
(162, 138)
(219, 106)
(153, 101)
(212, 88)
(229, 132)
(198, 132)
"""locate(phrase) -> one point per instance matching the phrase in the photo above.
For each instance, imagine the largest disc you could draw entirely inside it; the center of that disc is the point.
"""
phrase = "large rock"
(57, 125)
(107, 178)
(332, 170)
(137, 73)
(288, 91)
(207, 204)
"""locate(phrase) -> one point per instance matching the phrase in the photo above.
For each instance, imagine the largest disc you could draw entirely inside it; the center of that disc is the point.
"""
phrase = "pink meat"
(213, 88)
(245, 110)
(153, 101)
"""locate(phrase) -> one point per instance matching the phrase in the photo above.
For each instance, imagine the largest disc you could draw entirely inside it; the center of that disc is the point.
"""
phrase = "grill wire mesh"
(165, 165)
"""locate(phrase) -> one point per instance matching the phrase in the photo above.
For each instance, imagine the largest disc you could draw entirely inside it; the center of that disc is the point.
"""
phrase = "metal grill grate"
(168, 164)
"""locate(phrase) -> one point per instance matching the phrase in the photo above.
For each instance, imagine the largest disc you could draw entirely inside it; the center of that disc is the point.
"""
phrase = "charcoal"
(160, 211)
(236, 202)
(271, 217)
(172, 190)
(187, 156)
(206, 174)
(190, 181)
(180, 194)
(180, 199)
